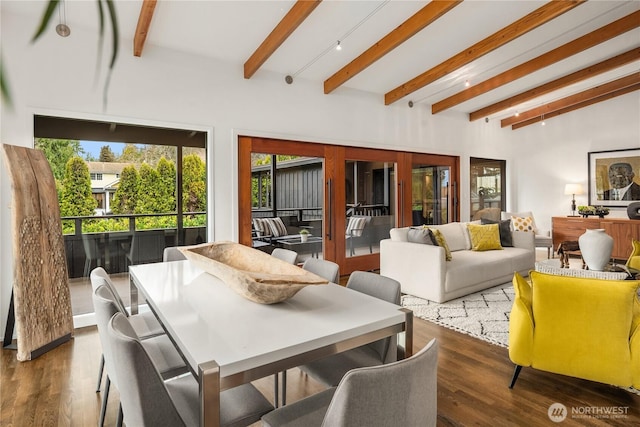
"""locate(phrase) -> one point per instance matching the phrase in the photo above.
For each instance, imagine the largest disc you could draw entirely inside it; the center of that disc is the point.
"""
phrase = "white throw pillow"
(456, 235)
(399, 234)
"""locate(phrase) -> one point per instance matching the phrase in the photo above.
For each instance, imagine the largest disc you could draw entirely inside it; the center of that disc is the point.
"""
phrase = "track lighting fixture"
(338, 47)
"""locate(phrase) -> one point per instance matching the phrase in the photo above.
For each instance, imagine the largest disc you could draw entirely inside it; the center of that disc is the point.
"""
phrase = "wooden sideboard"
(622, 230)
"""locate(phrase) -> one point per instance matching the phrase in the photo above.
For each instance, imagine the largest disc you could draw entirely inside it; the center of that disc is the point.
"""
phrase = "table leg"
(133, 295)
(209, 374)
(408, 331)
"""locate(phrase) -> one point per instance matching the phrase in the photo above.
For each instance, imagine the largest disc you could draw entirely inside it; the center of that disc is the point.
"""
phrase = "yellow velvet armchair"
(584, 328)
(634, 258)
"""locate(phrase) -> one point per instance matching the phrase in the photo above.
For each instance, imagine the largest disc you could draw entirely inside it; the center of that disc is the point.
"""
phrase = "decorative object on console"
(600, 211)
(633, 210)
(596, 247)
(573, 189)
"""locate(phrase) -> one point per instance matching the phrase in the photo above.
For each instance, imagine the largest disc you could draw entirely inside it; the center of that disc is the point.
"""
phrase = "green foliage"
(130, 154)
(106, 155)
(75, 197)
(148, 191)
(194, 191)
(265, 159)
(124, 199)
(166, 201)
(58, 152)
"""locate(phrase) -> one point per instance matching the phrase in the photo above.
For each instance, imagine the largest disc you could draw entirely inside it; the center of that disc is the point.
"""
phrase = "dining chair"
(147, 400)
(161, 349)
(172, 253)
(285, 255)
(402, 393)
(326, 269)
(330, 370)
(145, 324)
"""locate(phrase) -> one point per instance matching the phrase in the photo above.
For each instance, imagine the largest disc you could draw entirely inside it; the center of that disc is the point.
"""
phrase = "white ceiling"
(232, 30)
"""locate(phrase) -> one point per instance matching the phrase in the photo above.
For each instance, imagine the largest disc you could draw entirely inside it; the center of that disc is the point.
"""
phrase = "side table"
(552, 266)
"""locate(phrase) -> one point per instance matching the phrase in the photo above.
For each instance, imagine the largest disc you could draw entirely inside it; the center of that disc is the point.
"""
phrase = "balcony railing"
(115, 241)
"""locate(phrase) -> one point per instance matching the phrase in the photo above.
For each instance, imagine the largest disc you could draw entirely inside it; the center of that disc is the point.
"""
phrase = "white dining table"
(228, 340)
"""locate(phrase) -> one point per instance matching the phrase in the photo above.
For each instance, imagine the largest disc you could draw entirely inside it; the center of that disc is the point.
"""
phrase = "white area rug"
(483, 315)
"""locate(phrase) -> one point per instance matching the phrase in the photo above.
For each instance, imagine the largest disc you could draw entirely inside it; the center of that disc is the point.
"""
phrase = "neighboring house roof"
(106, 167)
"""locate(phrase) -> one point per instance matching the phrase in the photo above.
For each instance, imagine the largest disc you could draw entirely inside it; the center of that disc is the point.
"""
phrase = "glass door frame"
(411, 160)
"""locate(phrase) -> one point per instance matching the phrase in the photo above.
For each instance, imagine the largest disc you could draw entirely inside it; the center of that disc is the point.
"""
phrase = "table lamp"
(573, 189)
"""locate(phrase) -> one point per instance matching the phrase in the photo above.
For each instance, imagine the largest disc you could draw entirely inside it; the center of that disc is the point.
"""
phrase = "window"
(95, 176)
(487, 185)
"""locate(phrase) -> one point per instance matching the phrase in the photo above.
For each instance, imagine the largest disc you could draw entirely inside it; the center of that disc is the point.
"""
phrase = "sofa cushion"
(468, 268)
(442, 242)
(455, 234)
(399, 234)
(484, 237)
(420, 235)
(523, 224)
(505, 231)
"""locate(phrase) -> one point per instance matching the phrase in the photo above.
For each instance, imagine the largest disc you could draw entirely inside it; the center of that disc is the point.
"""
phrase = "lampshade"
(571, 189)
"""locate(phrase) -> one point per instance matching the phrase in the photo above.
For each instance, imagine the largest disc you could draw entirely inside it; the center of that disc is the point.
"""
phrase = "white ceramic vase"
(596, 246)
(303, 238)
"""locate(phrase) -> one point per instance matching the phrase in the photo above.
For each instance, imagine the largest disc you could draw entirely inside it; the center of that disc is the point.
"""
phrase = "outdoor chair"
(330, 370)
(355, 231)
(402, 393)
(149, 401)
(146, 246)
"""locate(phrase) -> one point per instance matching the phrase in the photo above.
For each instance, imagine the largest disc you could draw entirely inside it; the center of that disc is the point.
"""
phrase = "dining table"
(227, 340)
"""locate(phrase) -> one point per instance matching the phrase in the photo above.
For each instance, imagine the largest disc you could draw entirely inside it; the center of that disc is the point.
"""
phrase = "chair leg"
(516, 372)
(100, 371)
(120, 416)
(275, 390)
(284, 388)
(105, 397)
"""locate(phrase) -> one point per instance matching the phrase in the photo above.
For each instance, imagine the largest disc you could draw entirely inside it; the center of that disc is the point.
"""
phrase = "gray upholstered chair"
(171, 253)
(285, 255)
(542, 238)
(149, 401)
(326, 269)
(145, 324)
(402, 393)
(330, 370)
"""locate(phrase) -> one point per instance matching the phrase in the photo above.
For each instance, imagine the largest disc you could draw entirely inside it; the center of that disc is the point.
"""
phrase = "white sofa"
(422, 270)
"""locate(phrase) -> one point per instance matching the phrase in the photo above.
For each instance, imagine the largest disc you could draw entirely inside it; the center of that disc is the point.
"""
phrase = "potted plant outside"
(304, 235)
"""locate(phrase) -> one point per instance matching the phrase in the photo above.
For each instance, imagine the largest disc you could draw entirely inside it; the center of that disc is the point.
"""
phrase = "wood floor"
(58, 389)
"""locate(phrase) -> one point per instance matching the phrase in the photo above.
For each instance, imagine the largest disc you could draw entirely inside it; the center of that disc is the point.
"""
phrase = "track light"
(467, 83)
(338, 47)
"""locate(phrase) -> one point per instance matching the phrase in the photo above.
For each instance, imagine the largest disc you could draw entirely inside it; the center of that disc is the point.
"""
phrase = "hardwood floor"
(58, 389)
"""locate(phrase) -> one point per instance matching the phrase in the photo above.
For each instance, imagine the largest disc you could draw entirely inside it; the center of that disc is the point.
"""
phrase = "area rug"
(483, 315)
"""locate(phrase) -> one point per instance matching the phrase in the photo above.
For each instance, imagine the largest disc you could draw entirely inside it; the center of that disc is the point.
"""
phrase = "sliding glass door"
(346, 199)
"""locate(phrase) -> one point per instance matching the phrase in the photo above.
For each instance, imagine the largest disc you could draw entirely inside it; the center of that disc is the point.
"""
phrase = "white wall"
(56, 76)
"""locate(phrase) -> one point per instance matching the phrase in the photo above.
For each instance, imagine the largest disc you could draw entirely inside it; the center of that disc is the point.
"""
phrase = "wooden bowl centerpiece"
(251, 273)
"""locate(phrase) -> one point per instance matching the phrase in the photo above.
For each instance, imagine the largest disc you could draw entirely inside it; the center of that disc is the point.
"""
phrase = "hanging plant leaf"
(46, 17)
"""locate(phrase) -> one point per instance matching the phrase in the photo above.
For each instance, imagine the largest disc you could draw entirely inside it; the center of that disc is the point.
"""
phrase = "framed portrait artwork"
(614, 177)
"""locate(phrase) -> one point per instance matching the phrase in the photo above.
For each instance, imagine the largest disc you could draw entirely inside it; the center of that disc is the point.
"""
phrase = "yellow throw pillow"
(522, 224)
(484, 237)
(441, 242)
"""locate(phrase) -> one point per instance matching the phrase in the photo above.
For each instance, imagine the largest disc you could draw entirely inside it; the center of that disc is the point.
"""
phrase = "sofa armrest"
(523, 240)
(420, 269)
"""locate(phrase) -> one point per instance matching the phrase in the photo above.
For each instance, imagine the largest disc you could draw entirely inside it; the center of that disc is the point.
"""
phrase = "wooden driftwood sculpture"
(42, 302)
(253, 274)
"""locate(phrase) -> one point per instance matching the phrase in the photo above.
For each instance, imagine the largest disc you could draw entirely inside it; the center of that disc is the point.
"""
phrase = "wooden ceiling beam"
(142, 29)
(545, 110)
(402, 33)
(292, 20)
(576, 46)
(577, 106)
(586, 73)
(522, 26)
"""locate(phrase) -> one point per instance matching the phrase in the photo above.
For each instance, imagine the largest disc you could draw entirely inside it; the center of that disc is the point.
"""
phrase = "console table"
(621, 229)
